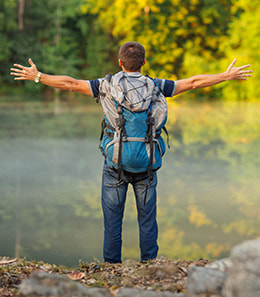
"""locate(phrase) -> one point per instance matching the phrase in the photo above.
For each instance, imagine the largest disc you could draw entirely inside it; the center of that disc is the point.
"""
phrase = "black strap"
(149, 138)
(103, 127)
(168, 137)
(158, 93)
(108, 77)
(100, 94)
(120, 121)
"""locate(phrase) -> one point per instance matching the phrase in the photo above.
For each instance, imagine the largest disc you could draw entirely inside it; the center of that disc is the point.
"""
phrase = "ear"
(144, 62)
(120, 63)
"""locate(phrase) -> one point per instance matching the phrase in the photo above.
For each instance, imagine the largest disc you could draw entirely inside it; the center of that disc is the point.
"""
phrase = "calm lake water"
(50, 176)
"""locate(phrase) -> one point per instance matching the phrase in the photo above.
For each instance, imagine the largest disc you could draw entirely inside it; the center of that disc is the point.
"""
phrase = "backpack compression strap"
(120, 121)
(149, 138)
(103, 94)
(105, 125)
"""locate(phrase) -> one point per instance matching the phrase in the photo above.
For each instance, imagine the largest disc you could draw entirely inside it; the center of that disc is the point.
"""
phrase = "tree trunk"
(57, 39)
(20, 16)
(17, 212)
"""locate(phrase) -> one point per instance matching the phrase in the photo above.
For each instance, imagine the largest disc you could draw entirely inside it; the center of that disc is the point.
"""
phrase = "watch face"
(37, 78)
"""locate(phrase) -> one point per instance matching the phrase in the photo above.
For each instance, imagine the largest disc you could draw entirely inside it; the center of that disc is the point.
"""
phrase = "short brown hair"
(132, 55)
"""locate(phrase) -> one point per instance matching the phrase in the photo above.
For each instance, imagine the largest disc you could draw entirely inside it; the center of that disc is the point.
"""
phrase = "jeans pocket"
(110, 177)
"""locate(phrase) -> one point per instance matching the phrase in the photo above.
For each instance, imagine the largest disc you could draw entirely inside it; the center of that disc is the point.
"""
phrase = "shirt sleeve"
(167, 86)
(94, 87)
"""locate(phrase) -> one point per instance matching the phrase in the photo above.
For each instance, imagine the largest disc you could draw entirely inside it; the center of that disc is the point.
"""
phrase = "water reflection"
(208, 194)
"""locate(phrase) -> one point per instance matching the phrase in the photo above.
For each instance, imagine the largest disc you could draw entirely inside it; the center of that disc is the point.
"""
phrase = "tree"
(243, 44)
(7, 25)
(168, 30)
(59, 39)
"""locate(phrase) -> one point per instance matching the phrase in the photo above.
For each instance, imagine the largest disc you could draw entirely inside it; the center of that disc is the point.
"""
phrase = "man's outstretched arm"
(62, 82)
(204, 80)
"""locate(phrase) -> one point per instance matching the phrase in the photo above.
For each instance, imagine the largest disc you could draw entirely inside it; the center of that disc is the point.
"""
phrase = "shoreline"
(161, 274)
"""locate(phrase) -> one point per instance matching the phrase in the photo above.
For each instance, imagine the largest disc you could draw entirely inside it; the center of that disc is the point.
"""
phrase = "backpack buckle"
(108, 77)
(120, 122)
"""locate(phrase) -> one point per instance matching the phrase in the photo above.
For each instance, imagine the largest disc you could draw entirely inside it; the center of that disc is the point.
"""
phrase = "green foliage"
(244, 31)
(167, 29)
(81, 38)
(59, 39)
(7, 26)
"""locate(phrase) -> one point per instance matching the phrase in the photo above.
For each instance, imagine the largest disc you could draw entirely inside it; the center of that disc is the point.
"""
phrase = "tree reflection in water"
(208, 194)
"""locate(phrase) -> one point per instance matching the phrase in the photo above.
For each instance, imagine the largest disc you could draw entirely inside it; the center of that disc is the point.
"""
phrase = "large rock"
(203, 280)
(243, 276)
(236, 276)
(54, 284)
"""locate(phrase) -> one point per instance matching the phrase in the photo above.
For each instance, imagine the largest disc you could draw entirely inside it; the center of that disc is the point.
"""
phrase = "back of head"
(132, 55)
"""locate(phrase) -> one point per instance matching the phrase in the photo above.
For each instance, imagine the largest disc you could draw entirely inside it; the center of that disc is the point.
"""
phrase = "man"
(131, 60)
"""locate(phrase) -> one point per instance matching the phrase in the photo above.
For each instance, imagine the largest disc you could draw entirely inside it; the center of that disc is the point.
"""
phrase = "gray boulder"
(54, 284)
(243, 277)
(202, 280)
(236, 276)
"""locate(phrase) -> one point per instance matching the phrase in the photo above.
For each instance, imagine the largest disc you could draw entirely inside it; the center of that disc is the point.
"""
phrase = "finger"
(19, 78)
(232, 64)
(31, 62)
(247, 75)
(247, 71)
(17, 70)
(16, 73)
(244, 77)
(19, 66)
(244, 66)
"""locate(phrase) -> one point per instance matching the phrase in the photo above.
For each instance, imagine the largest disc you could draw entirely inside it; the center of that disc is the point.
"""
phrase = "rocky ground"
(158, 275)
(235, 276)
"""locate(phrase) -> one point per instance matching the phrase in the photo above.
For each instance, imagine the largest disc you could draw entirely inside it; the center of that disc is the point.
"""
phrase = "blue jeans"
(113, 204)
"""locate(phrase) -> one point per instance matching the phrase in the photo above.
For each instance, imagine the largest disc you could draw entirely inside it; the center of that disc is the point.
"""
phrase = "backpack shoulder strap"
(160, 91)
(101, 93)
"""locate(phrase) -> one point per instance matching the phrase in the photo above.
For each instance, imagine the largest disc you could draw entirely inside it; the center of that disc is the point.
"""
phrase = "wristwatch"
(38, 77)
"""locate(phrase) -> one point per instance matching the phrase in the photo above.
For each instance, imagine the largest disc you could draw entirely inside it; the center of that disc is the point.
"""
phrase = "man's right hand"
(25, 73)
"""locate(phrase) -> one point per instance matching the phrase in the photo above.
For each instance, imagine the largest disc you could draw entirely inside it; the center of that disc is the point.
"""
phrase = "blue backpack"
(135, 111)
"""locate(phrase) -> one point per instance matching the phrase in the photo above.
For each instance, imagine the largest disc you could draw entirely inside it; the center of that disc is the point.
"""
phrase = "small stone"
(129, 292)
(91, 281)
(221, 265)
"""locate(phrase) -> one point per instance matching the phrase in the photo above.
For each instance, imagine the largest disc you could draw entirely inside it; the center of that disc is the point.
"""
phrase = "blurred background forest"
(81, 38)
(50, 167)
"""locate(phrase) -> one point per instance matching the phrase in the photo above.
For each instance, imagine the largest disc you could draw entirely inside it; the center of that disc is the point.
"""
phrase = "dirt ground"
(160, 274)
